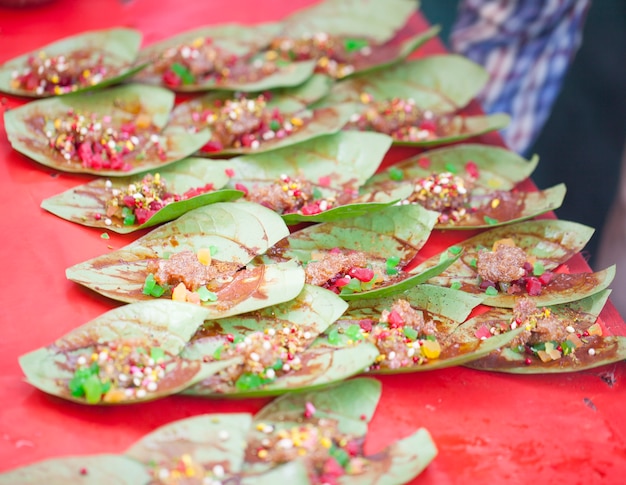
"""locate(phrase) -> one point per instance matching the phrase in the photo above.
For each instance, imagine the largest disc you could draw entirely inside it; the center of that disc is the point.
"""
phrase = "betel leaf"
(595, 350)
(354, 399)
(441, 310)
(207, 440)
(89, 469)
(445, 302)
(317, 122)
(352, 18)
(397, 231)
(310, 313)
(165, 325)
(431, 82)
(400, 462)
(26, 127)
(236, 231)
(118, 48)
(489, 173)
(461, 127)
(87, 203)
(551, 242)
(392, 53)
(336, 165)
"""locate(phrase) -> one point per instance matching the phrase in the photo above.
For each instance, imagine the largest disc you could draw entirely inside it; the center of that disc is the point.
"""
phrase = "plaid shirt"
(526, 47)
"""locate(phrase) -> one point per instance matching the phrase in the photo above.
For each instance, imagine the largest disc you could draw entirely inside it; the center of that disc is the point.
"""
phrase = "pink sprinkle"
(229, 172)
(324, 181)
(309, 410)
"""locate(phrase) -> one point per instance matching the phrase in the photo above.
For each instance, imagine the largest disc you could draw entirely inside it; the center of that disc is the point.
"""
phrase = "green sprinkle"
(410, 333)
(205, 294)
(333, 336)
(352, 45)
(105, 235)
(456, 285)
(432, 338)
(568, 347)
(491, 291)
(490, 220)
(340, 455)
(93, 389)
(353, 287)
(217, 355)
(274, 125)
(455, 249)
(451, 168)
(472, 262)
(396, 174)
(129, 217)
(278, 365)
(248, 381)
(213, 250)
(157, 354)
(317, 193)
(354, 332)
(390, 265)
(152, 288)
(538, 268)
(183, 73)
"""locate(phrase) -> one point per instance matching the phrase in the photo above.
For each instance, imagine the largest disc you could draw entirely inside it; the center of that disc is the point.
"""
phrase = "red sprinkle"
(324, 181)
(528, 361)
(229, 172)
(472, 169)
(424, 162)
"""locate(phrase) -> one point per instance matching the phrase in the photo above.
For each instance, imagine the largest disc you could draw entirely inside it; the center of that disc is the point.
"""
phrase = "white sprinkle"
(255, 357)
(271, 332)
(67, 156)
(141, 393)
(410, 352)
(108, 222)
(102, 356)
(570, 329)
(296, 361)
(391, 355)
(513, 325)
(82, 360)
(286, 331)
(218, 470)
(285, 443)
(185, 52)
(307, 335)
(154, 138)
(270, 373)
(152, 386)
(324, 205)
(164, 474)
(267, 345)
(137, 381)
(115, 192)
(108, 184)
(223, 435)
(255, 144)
(132, 188)
(591, 351)
(286, 367)
(122, 378)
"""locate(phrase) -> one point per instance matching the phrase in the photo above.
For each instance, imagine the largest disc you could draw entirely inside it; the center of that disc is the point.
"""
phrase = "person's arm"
(526, 46)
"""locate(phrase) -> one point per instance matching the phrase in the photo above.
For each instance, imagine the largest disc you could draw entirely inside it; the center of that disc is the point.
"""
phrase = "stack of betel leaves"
(315, 437)
(224, 301)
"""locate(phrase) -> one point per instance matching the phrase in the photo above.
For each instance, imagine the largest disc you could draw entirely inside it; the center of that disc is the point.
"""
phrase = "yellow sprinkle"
(260, 427)
(197, 42)
(129, 145)
(323, 62)
(190, 472)
(157, 178)
(528, 327)
(365, 98)
(325, 442)
(495, 203)
(57, 123)
(271, 55)
(204, 256)
(301, 452)
(186, 459)
(42, 55)
(285, 188)
(94, 356)
(176, 474)
(57, 90)
(296, 121)
(55, 79)
(86, 73)
(262, 454)
(380, 358)
(180, 292)
(343, 442)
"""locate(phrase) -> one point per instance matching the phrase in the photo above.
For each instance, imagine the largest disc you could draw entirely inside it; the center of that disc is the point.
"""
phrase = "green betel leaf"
(363, 246)
(387, 55)
(278, 335)
(354, 400)
(226, 61)
(93, 203)
(583, 348)
(461, 127)
(398, 463)
(147, 337)
(235, 233)
(293, 472)
(214, 442)
(90, 470)
(409, 332)
(351, 18)
(548, 243)
(228, 135)
(137, 115)
(487, 174)
(328, 170)
(431, 82)
(109, 56)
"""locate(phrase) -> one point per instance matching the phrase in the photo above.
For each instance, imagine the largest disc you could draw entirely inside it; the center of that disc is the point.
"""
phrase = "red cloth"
(489, 428)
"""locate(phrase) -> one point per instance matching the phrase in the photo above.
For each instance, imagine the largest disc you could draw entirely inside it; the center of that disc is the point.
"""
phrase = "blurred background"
(582, 142)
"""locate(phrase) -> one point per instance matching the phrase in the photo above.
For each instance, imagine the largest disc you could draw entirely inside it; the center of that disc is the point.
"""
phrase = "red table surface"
(488, 427)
